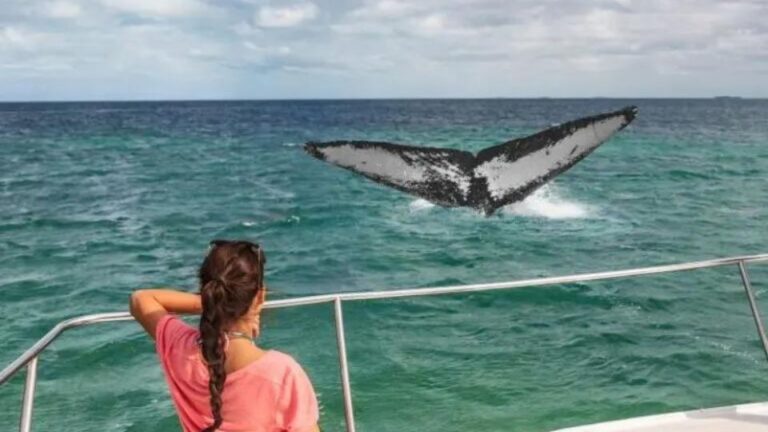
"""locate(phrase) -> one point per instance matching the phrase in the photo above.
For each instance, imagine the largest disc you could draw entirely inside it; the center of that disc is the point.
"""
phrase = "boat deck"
(737, 418)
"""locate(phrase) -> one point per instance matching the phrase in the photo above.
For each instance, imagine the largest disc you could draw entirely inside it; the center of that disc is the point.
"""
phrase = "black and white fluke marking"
(493, 178)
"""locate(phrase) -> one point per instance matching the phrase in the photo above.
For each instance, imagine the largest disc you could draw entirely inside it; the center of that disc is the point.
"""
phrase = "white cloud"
(385, 48)
(158, 8)
(385, 9)
(16, 38)
(288, 16)
(62, 9)
(11, 36)
(432, 24)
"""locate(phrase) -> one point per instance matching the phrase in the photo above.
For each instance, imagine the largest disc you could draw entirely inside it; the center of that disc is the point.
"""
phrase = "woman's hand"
(148, 306)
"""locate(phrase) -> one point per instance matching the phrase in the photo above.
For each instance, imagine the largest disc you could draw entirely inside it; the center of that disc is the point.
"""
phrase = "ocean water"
(98, 199)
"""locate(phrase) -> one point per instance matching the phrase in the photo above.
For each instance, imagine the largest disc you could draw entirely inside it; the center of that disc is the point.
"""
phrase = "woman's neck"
(241, 353)
(241, 329)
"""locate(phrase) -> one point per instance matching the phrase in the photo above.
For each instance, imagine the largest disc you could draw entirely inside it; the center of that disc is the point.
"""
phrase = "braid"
(231, 277)
(213, 340)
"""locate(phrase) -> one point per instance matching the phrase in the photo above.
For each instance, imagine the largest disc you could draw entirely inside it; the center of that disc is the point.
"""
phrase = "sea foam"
(544, 203)
(547, 203)
(420, 205)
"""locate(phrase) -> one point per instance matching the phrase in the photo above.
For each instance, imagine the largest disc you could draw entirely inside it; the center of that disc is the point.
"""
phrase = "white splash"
(420, 205)
(546, 203)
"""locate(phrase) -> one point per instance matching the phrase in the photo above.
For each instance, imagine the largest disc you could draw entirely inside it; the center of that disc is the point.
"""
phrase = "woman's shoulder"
(277, 367)
(283, 360)
(284, 367)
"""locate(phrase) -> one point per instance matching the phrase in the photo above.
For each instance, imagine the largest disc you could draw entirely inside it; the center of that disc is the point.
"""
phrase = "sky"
(307, 49)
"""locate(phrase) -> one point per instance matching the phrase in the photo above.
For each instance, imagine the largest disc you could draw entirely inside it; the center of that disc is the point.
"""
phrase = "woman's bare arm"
(149, 305)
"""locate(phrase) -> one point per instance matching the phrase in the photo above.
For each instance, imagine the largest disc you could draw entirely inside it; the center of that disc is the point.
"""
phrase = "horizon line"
(724, 97)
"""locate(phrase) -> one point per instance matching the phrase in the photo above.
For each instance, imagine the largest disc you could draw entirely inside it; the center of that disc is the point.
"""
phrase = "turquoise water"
(100, 199)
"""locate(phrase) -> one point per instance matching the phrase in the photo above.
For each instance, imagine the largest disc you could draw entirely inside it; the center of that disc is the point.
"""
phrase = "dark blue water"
(99, 199)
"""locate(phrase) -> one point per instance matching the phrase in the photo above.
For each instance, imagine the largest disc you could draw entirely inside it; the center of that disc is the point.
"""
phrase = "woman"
(218, 378)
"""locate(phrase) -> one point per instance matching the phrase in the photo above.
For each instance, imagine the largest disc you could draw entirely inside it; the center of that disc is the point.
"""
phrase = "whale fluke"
(493, 178)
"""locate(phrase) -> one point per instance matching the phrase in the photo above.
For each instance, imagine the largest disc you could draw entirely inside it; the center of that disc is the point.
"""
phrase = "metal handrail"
(30, 356)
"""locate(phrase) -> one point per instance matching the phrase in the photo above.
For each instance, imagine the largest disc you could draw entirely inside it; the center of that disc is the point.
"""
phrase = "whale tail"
(441, 176)
(495, 177)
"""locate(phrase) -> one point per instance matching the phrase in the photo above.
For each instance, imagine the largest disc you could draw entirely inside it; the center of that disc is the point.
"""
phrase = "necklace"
(239, 335)
(232, 335)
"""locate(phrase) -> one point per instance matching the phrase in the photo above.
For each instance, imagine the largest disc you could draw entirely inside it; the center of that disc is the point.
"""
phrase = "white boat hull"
(737, 418)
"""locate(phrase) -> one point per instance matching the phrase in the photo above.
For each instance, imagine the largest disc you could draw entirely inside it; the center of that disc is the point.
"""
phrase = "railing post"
(27, 401)
(753, 305)
(345, 386)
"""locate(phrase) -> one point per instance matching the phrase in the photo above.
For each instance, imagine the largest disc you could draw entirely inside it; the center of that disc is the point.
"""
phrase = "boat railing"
(29, 358)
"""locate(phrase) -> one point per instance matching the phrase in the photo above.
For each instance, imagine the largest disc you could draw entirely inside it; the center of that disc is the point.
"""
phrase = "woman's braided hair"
(230, 278)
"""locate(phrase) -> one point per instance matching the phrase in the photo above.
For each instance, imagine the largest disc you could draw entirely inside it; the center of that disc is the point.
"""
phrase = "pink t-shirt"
(272, 394)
